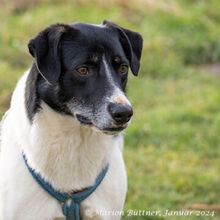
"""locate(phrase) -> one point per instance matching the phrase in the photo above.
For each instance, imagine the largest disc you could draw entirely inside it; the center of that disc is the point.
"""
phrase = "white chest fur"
(65, 153)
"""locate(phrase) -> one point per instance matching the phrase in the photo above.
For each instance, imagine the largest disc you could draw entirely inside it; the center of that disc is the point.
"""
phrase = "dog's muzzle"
(120, 114)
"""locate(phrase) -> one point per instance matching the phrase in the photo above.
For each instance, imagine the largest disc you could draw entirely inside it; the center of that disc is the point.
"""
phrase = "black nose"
(120, 113)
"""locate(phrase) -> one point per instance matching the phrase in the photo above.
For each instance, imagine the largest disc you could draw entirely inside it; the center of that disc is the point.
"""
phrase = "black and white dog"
(66, 115)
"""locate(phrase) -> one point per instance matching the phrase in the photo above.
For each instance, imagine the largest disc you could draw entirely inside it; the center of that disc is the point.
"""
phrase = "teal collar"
(70, 202)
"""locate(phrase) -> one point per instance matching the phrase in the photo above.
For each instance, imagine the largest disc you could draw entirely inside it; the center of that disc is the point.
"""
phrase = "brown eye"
(123, 69)
(82, 70)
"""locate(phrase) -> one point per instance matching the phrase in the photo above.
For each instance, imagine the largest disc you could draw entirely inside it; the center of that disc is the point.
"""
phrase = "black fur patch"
(32, 101)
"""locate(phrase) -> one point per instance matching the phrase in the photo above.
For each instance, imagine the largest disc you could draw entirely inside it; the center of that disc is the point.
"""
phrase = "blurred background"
(172, 148)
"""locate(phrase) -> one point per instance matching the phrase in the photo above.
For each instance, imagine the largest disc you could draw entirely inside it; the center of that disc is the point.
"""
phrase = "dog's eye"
(123, 69)
(82, 70)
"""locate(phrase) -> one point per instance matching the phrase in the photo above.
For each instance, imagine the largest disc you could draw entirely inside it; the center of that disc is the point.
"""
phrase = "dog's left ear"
(132, 43)
(45, 48)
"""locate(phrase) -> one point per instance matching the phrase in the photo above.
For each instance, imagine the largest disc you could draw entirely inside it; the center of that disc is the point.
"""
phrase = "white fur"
(66, 154)
(117, 91)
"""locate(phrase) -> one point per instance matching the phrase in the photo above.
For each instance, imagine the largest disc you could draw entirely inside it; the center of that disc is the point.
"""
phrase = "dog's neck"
(69, 155)
(65, 153)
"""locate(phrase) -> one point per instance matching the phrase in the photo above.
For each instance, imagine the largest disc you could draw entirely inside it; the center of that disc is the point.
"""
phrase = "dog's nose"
(120, 113)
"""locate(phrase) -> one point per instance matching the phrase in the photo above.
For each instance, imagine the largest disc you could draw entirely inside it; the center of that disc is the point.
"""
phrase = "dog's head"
(83, 71)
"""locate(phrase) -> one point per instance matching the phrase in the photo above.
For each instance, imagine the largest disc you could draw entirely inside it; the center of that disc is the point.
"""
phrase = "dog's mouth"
(83, 120)
(109, 130)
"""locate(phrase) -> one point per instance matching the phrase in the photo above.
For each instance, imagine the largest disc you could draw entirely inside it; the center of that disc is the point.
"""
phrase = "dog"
(67, 116)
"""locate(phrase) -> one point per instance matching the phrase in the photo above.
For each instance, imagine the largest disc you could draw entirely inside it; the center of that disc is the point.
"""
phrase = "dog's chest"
(60, 149)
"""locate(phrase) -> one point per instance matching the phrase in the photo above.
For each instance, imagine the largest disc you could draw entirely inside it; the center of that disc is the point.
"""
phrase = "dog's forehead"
(95, 32)
(89, 39)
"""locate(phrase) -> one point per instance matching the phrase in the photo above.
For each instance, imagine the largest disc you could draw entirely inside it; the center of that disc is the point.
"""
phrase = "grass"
(172, 147)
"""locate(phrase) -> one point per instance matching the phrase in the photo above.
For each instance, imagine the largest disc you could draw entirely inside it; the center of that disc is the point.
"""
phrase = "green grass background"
(172, 148)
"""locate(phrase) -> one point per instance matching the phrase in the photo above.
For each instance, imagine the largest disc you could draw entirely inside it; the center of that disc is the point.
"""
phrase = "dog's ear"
(132, 44)
(45, 48)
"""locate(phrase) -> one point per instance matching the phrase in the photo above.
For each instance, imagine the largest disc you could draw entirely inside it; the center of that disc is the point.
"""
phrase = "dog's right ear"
(45, 48)
(132, 43)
